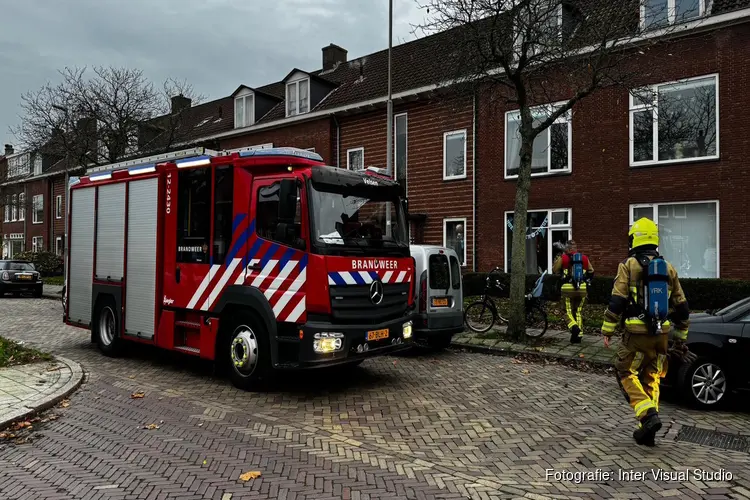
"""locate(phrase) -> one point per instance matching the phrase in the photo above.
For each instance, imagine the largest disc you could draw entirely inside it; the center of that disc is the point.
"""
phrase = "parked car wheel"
(704, 383)
(106, 327)
(245, 351)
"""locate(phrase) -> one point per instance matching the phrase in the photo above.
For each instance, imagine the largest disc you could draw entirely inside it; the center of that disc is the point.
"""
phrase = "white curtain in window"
(687, 238)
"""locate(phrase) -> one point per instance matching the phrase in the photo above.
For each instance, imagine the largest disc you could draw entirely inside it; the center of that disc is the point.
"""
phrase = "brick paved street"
(435, 425)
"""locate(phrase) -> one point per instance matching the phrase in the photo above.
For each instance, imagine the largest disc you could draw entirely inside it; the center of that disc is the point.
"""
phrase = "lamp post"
(389, 116)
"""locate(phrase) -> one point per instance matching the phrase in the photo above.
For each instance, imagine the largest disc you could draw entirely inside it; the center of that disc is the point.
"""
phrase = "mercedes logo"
(376, 292)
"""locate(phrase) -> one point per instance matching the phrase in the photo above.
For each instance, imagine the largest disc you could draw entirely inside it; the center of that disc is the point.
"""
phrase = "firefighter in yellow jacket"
(645, 290)
(576, 272)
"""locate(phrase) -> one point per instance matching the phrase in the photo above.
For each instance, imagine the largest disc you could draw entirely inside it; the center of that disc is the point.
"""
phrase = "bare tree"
(527, 54)
(101, 118)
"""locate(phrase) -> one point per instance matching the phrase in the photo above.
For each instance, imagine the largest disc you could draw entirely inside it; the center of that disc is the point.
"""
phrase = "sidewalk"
(554, 344)
(27, 389)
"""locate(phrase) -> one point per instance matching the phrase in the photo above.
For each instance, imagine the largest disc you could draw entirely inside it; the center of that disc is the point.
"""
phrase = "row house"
(610, 161)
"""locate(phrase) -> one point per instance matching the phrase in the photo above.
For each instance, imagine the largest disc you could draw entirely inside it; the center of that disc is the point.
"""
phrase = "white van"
(438, 294)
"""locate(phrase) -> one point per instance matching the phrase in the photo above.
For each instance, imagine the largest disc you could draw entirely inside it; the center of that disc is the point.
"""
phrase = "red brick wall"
(427, 191)
(34, 188)
(315, 134)
(602, 185)
(58, 189)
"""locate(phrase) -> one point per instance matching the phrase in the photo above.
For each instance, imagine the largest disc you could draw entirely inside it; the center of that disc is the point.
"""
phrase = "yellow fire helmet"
(643, 232)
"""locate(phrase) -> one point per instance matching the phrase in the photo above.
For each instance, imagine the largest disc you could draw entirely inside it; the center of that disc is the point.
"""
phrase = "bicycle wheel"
(479, 317)
(536, 321)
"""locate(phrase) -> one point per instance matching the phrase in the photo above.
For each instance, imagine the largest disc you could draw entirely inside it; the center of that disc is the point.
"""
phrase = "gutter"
(474, 183)
(338, 140)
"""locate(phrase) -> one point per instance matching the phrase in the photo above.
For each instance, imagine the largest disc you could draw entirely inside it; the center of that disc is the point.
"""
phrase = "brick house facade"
(700, 204)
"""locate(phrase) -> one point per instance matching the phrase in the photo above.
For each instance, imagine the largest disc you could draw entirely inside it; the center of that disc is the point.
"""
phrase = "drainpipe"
(338, 141)
(474, 184)
(25, 216)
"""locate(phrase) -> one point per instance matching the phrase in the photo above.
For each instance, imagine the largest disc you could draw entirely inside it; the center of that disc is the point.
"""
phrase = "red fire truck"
(260, 260)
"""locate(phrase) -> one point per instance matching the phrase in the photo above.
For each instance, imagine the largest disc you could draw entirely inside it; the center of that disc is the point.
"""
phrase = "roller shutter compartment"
(140, 293)
(81, 255)
(110, 232)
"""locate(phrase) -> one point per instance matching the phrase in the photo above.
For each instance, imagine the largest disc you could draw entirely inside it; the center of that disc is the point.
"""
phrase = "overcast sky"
(215, 44)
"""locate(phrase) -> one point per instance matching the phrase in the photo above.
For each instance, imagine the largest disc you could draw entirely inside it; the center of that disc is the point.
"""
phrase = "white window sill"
(454, 177)
(36, 223)
(676, 161)
(551, 173)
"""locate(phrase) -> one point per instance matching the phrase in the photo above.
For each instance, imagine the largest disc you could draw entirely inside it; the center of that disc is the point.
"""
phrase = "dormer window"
(244, 109)
(662, 13)
(298, 97)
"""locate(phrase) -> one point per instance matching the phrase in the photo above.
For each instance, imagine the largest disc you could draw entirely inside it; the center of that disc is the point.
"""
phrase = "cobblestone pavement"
(436, 425)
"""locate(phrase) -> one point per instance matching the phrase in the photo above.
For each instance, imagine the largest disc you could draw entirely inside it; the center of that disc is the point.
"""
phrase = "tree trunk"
(517, 317)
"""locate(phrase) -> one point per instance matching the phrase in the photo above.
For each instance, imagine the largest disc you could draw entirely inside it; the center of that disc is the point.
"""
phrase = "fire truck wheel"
(107, 328)
(247, 352)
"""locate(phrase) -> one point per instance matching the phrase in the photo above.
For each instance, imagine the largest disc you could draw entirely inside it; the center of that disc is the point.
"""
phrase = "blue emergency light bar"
(300, 153)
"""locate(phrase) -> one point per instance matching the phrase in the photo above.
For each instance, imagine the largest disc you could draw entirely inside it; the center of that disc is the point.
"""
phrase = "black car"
(721, 340)
(18, 276)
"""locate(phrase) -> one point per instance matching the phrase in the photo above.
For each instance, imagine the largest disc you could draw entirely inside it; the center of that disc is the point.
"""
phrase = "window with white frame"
(14, 208)
(544, 26)
(58, 246)
(662, 13)
(551, 149)
(355, 159)
(37, 209)
(58, 207)
(19, 165)
(38, 164)
(298, 97)
(688, 235)
(244, 109)
(546, 233)
(37, 244)
(675, 122)
(21, 206)
(400, 124)
(6, 217)
(454, 155)
(454, 237)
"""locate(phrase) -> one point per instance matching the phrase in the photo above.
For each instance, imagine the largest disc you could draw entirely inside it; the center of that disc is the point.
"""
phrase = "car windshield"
(19, 266)
(733, 307)
(350, 221)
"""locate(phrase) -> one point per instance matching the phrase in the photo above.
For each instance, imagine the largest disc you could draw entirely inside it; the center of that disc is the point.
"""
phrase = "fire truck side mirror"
(287, 200)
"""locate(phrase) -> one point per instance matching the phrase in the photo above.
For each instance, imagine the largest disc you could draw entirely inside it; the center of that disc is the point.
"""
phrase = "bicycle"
(486, 313)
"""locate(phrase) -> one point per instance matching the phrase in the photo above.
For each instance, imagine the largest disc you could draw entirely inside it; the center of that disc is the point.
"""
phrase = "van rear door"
(444, 283)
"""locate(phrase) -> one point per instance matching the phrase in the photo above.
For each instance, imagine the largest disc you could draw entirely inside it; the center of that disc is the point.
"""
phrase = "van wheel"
(107, 328)
(245, 351)
(440, 341)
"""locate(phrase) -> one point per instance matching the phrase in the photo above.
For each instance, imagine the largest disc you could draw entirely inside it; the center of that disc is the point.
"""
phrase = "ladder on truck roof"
(151, 161)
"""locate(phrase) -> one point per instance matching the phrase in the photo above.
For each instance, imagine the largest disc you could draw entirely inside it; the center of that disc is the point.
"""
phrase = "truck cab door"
(188, 270)
(277, 258)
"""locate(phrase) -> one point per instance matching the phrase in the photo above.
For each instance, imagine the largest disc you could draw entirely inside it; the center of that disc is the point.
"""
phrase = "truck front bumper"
(326, 344)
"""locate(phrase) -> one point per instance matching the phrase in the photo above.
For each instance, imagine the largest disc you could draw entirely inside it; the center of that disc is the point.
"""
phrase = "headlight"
(327, 342)
(406, 330)
(6, 276)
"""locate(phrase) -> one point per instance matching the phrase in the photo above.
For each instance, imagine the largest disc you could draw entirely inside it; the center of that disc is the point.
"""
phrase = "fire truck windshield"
(371, 222)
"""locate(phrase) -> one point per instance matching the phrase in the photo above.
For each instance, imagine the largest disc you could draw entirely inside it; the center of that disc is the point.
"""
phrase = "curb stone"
(48, 401)
(539, 354)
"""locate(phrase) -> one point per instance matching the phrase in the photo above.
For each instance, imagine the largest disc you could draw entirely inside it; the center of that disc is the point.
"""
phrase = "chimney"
(179, 103)
(332, 55)
(8, 149)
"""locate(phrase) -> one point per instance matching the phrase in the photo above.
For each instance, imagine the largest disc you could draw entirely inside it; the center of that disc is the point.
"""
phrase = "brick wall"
(602, 185)
(33, 188)
(315, 134)
(58, 226)
(427, 191)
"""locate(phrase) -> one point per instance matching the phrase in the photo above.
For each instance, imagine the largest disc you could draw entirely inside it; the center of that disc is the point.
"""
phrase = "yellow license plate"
(443, 302)
(25, 277)
(377, 334)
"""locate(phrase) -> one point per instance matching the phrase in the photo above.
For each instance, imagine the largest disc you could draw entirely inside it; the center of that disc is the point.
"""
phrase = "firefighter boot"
(575, 335)
(649, 425)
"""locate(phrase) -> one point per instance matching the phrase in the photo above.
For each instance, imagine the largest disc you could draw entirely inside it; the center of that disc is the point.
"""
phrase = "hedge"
(47, 263)
(701, 293)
